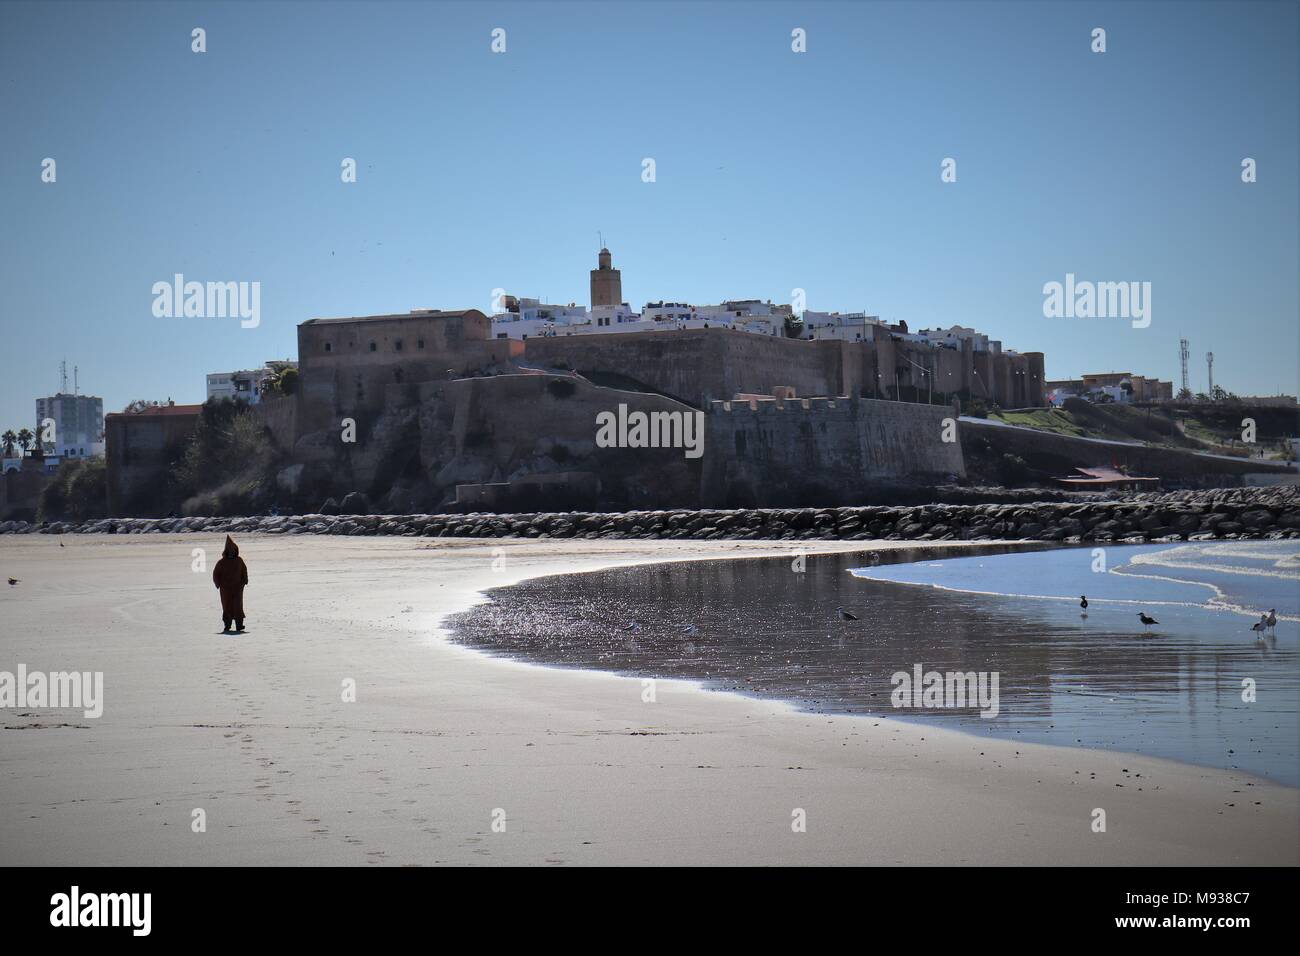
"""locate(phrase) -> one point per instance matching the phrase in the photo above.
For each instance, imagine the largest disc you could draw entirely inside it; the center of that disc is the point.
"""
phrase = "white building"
(746, 315)
(1116, 393)
(846, 326)
(246, 384)
(668, 315)
(74, 422)
(526, 318)
(616, 318)
(953, 338)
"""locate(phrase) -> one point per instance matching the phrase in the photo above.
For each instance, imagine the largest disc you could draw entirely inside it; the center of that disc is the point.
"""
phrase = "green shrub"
(227, 464)
(78, 491)
(227, 444)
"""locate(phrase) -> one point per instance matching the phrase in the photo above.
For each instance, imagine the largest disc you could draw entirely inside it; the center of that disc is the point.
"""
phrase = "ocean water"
(769, 627)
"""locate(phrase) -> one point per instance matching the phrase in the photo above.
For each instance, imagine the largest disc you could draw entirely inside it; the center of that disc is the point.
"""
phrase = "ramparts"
(827, 451)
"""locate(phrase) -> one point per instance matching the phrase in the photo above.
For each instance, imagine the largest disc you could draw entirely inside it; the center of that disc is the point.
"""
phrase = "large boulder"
(1256, 519)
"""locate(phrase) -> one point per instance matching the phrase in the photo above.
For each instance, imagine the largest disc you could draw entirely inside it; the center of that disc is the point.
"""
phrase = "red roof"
(153, 410)
(1103, 476)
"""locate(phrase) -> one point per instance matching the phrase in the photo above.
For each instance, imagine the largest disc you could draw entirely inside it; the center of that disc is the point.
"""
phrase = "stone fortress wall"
(792, 452)
(698, 366)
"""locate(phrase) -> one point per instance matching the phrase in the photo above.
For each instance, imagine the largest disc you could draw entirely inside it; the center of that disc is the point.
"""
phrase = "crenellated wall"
(413, 383)
(822, 450)
(697, 366)
(346, 365)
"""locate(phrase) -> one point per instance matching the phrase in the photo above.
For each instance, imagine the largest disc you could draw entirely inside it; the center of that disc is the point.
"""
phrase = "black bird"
(1148, 621)
(846, 615)
(1261, 625)
(1272, 620)
(1083, 604)
(13, 581)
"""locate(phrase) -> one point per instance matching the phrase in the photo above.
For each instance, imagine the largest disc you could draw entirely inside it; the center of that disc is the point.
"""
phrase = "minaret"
(606, 282)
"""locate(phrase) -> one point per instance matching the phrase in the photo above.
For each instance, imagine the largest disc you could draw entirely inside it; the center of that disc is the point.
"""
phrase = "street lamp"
(929, 378)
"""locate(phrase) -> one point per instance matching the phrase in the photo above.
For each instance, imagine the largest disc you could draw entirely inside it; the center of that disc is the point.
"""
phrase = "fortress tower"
(606, 282)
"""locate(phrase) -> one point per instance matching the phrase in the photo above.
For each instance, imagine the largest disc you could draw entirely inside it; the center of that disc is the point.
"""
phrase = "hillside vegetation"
(1216, 428)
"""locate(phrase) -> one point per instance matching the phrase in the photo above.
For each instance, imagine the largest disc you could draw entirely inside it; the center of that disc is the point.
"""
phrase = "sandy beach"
(253, 730)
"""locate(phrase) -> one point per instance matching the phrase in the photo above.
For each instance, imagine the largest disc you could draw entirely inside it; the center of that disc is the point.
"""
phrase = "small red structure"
(1102, 477)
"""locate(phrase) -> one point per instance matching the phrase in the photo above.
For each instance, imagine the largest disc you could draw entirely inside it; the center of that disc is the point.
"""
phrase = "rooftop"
(413, 314)
(156, 410)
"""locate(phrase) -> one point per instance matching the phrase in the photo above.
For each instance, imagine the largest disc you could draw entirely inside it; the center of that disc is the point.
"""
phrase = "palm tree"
(25, 439)
(8, 440)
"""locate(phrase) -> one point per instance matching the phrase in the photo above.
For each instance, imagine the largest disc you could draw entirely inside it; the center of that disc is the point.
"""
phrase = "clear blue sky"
(775, 170)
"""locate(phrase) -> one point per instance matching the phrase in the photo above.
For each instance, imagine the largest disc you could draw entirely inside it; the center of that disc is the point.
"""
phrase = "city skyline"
(479, 170)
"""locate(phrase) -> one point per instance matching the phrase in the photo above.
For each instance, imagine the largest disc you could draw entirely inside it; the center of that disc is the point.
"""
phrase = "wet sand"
(768, 627)
(253, 731)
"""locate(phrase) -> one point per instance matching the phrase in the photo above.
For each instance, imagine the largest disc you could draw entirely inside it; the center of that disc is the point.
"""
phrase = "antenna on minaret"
(601, 236)
(76, 381)
(63, 376)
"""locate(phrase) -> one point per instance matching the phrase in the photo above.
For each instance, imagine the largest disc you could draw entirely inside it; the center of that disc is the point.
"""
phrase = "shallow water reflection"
(758, 626)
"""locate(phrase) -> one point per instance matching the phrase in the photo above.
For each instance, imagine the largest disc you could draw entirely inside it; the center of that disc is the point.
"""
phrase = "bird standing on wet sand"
(1272, 620)
(1148, 621)
(1260, 626)
(845, 615)
(13, 581)
(1083, 605)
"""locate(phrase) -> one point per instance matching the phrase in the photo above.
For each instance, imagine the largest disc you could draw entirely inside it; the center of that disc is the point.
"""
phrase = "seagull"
(1260, 626)
(1083, 605)
(1272, 619)
(1148, 621)
(633, 626)
(845, 615)
(688, 629)
(13, 581)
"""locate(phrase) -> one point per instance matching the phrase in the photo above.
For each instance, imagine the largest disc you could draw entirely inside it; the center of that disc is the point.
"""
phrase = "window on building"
(397, 346)
(373, 347)
(328, 347)
(419, 343)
